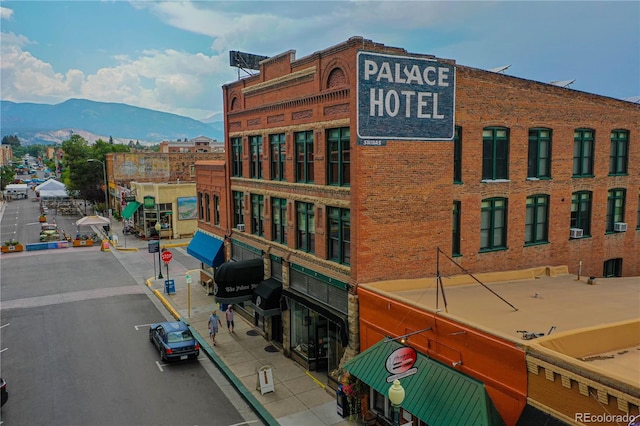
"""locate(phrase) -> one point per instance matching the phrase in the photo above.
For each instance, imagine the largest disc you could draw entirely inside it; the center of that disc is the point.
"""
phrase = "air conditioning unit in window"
(620, 227)
(575, 233)
(240, 227)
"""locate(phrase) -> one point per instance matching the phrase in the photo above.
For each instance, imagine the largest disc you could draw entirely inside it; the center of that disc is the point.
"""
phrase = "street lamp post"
(106, 185)
(158, 227)
(396, 396)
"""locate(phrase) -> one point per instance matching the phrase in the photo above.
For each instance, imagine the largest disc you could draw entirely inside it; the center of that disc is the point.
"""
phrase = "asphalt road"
(75, 347)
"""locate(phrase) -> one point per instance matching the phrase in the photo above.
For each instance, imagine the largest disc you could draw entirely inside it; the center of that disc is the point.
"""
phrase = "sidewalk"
(298, 398)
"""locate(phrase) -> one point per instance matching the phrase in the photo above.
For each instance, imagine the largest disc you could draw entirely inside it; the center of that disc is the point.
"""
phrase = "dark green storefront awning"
(130, 209)
(437, 394)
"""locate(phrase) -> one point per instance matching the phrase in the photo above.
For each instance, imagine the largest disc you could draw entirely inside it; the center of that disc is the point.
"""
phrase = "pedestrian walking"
(229, 315)
(214, 321)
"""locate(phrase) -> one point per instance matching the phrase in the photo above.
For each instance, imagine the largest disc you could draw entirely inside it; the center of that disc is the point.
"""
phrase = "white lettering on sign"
(389, 104)
(429, 75)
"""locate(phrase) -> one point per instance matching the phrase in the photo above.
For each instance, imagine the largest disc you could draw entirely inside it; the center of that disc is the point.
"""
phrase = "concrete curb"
(233, 379)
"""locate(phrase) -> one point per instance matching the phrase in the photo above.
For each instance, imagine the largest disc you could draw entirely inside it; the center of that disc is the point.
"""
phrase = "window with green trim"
(615, 207)
(619, 152)
(304, 156)
(457, 155)
(257, 214)
(236, 157)
(200, 206)
(583, 148)
(455, 248)
(279, 220)
(536, 222)
(493, 224)
(581, 211)
(306, 227)
(539, 164)
(278, 156)
(216, 210)
(238, 208)
(495, 153)
(207, 207)
(338, 158)
(612, 268)
(339, 235)
(255, 163)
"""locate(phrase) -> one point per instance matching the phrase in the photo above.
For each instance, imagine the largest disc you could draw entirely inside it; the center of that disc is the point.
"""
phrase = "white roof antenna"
(501, 69)
(563, 83)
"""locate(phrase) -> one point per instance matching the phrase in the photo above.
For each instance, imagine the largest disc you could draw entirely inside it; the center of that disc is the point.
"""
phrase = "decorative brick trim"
(533, 368)
(584, 389)
(566, 382)
(550, 375)
(275, 83)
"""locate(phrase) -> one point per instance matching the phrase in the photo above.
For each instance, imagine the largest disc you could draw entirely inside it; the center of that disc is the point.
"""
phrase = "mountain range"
(50, 124)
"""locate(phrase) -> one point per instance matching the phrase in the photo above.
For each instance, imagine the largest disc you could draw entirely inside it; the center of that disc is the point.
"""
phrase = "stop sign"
(166, 256)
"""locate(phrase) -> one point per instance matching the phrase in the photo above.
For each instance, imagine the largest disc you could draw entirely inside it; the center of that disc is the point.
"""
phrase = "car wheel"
(162, 356)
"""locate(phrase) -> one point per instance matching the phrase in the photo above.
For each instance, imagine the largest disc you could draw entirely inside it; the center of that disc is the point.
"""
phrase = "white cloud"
(5, 13)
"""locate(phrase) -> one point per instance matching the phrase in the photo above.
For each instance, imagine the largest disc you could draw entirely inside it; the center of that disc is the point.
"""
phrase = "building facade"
(535, 174)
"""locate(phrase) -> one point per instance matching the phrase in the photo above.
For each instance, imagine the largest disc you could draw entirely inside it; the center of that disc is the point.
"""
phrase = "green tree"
(7, 175)
(12, 140)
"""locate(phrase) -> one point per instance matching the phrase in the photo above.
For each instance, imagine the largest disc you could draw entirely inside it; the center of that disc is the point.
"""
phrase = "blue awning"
(207, 249)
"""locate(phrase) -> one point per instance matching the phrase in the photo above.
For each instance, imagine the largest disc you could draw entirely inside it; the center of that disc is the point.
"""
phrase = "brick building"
(535, 175)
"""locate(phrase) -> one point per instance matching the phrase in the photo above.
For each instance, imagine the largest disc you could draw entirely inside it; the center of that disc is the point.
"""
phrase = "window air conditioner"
(240, 227)
(575, 233)
(620, 227)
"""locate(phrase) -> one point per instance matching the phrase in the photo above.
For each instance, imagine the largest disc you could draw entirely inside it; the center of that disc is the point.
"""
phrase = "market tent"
(93, 220)
(51, 185)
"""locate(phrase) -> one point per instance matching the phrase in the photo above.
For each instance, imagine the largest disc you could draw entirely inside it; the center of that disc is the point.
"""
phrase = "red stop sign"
(166, 256)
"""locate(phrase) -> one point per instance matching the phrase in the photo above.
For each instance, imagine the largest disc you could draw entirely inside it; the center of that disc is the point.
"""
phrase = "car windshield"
(179, 336)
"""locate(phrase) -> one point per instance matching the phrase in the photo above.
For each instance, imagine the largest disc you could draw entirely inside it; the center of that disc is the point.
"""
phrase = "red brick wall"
(401, 194)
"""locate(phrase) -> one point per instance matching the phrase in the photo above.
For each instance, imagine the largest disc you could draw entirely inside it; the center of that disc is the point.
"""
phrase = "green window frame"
(581, 211)
(455, 238)
(304, 156)
(583, 149)
(495, 153)
(279, 220)
(338, 158)
(255, 161)
(236, 157)
(339, 226)
(612, 268)
(539, 164)
(306, 227)
(207, 208)
(619, 153)
(457, 155)
(200, 206)
(615, 207)
(277, 144)
(493, 224)
(216, 210)
(257, 214)
(536, 228)
(238, 208)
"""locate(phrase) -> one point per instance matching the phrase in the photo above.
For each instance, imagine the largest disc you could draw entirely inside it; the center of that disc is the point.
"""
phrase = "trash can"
(342, 404)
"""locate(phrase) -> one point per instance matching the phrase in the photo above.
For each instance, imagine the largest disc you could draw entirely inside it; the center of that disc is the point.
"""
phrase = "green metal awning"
(130, 209)
(436, 394)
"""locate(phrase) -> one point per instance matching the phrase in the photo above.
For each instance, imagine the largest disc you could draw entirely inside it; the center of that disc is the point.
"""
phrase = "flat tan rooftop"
(572, 306)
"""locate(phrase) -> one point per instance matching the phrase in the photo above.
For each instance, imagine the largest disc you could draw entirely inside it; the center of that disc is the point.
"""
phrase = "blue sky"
(174, 56)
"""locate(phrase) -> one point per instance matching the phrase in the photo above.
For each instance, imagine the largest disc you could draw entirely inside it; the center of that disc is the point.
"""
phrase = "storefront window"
(300, 337)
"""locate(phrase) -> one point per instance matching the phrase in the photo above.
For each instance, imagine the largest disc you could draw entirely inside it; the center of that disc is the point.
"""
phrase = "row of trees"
(82, 178)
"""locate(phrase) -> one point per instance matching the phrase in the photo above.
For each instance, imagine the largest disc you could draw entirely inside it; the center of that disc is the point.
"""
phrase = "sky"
(173, 56)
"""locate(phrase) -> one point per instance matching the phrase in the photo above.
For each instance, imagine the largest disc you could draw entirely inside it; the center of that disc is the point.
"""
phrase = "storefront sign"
(400, 363)
(149, 202)
(404, 98)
